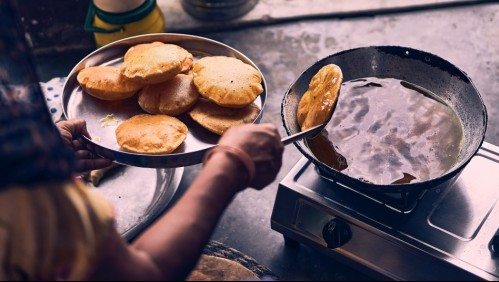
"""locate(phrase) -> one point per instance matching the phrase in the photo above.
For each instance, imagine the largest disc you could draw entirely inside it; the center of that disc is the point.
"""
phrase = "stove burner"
(400, 202)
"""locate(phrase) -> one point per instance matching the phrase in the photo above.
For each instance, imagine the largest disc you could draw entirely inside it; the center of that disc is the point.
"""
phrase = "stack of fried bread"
(229, 88)
(217, 92)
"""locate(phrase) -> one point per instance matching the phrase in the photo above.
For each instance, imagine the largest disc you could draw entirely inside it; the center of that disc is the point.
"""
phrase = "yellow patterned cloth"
(54, 231)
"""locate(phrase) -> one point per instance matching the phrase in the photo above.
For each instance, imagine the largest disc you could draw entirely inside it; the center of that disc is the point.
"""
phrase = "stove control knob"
(494, 245)
(336, 233)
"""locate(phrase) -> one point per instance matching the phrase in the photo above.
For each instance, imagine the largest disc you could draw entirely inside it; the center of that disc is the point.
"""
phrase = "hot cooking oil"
(386, 131)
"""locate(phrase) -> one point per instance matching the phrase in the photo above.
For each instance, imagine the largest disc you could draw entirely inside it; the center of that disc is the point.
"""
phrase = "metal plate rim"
(159, 207)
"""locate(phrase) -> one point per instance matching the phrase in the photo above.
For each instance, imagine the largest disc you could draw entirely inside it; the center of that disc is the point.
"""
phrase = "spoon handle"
(297, 136)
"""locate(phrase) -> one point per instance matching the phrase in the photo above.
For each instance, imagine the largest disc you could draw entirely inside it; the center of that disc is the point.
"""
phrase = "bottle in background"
(111, 20)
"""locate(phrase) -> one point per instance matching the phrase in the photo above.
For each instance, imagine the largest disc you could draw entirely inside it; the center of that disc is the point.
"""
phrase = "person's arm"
(169, 249)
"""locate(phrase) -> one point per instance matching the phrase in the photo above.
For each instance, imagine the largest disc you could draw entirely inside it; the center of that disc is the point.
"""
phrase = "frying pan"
(426, 70)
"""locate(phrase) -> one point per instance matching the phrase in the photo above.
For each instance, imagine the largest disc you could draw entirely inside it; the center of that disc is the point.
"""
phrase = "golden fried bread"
(106, 83)
(134, 50)
(212, 268)
(156, 64)
(227, 81)
(317, 104)
(218, 119)
(188, 62)
(151, 134)
(172, 97)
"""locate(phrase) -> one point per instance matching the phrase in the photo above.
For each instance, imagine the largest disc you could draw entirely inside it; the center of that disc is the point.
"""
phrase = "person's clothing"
(31, 149)
(52, 227)
(52, 231)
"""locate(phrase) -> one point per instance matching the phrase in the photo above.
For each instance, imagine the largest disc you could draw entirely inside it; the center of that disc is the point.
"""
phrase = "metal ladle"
(326, 80)
(312, 131)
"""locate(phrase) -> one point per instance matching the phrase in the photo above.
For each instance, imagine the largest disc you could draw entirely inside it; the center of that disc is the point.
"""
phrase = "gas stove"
(447, 232)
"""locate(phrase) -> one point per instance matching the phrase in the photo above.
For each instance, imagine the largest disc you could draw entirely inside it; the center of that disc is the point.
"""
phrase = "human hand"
(70, 131)
(263, 145)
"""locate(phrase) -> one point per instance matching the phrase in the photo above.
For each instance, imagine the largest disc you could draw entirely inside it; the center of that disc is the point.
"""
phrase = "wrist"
(232, 162)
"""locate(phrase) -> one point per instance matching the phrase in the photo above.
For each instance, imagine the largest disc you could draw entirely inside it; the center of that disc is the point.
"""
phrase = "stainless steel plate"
(77, 104)
(138, 195)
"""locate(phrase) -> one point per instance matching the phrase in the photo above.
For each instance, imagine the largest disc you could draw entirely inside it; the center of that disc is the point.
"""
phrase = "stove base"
(427, 244)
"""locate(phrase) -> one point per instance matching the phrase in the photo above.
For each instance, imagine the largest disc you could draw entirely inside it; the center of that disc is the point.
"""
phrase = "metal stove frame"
(445, 236)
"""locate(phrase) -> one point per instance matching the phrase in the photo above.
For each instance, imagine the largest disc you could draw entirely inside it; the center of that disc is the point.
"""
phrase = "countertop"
(467, 36)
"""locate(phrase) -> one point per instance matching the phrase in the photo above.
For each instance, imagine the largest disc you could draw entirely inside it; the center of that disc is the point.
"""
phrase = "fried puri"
(156, 64)
(317, 104)
(173, 97)
(134, 50)
(227, 81)
(151, 134)
(137, 49)
(106, 83)
(212, 268)
(218, 119)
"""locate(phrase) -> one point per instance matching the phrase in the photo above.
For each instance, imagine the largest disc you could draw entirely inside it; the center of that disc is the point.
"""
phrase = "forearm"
(176, 240)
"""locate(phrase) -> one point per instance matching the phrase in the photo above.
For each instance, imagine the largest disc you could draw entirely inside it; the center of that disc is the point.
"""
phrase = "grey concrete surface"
(468, 37)
(58, 26)
(275, 11)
